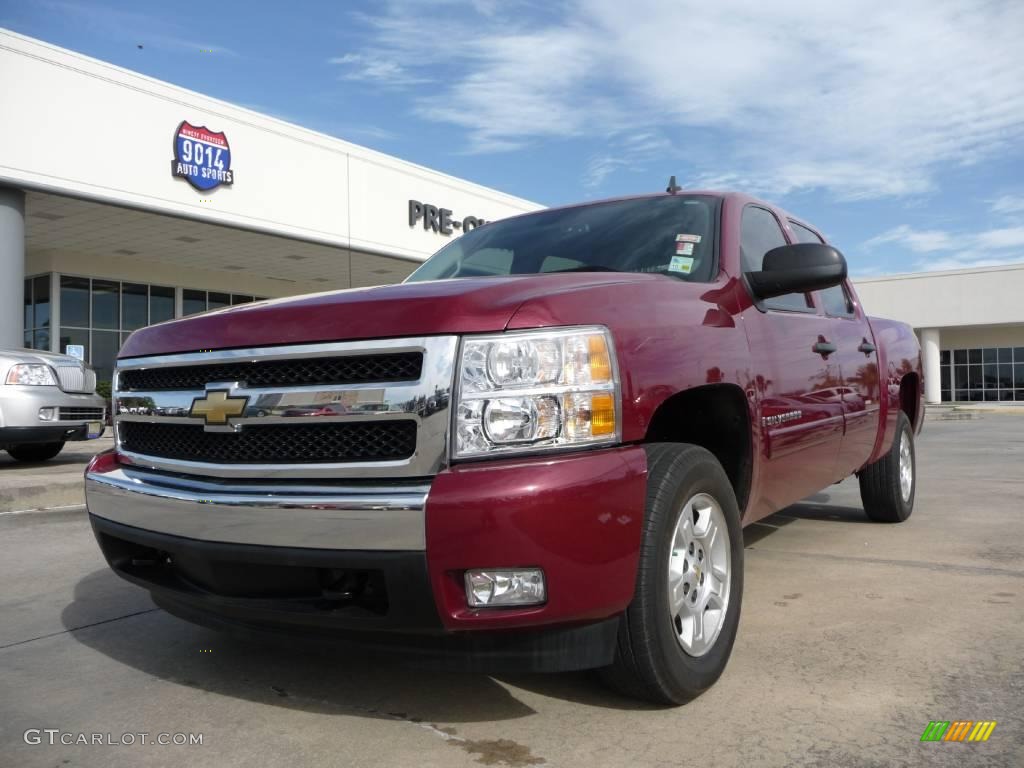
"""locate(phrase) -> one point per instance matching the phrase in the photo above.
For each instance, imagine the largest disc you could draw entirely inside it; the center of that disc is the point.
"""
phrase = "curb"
(30, 497)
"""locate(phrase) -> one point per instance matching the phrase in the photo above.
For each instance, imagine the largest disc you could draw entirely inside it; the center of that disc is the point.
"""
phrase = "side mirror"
(797, 268)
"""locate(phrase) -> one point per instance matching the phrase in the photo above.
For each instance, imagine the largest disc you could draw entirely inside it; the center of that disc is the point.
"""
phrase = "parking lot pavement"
(853, 637)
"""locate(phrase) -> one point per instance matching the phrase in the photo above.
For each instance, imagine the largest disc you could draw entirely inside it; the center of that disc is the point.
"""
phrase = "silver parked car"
(46, 400)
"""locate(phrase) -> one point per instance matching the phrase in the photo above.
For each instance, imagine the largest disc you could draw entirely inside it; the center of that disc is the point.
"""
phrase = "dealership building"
(126, 201)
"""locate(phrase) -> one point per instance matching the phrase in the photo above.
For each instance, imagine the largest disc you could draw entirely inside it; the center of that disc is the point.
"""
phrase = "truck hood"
(469, 305)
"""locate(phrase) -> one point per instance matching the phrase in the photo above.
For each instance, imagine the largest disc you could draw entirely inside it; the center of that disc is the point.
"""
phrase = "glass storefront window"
(192, 301)
(218, 300)
(36, 313)
(988, 374)
(106, 309)
(161, 303)
(200, 301)
(105, 345)
(74, 301)
(134, 306)
(99, 314)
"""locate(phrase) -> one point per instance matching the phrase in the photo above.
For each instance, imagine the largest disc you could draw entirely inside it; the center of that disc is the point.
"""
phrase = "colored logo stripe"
(982, 730)
(958, 730)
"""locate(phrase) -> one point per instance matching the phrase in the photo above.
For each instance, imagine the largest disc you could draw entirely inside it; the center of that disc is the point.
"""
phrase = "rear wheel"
(887, 486)
(35, 451)
(676, 636)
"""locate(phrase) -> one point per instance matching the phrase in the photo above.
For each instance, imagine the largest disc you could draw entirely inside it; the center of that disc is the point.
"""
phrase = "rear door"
(796, 376)
(858, 366)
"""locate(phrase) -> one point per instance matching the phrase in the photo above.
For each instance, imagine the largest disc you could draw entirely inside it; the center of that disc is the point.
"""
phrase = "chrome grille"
(72, 378)
(366, 409)
(403, 366)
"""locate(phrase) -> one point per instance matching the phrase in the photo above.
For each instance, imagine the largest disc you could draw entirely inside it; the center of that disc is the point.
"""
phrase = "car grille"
(273, 444)
(76, 378)
(80, 414)
(351, 369)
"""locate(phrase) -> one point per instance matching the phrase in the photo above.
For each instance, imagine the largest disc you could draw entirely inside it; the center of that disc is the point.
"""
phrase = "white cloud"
(1008, 205)
(919, 241)
(864, 99)
(375, 68)
(956, 250)
(635, 152)
(927, 241)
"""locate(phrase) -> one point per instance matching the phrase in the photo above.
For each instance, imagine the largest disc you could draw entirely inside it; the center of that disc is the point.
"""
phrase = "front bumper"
(278, 561)
(60, 432)
(19, 414)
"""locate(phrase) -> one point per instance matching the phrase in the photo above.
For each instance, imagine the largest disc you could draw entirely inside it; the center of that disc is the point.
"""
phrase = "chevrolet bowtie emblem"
(217, 407)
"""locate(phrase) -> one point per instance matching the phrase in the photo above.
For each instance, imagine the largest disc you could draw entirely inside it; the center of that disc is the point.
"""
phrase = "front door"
(858, 366)
(797, 380)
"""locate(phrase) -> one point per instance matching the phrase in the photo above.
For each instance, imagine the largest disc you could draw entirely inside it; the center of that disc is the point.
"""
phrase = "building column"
(12, 267)
(930, 340)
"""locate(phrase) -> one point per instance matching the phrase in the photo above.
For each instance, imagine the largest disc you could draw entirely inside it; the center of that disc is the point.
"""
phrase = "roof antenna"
(672, 187)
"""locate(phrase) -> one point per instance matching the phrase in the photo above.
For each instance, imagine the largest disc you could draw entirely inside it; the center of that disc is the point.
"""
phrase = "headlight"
(536, 390)
(31, 374)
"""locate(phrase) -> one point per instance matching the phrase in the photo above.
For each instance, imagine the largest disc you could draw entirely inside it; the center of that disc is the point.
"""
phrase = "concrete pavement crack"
(75, 629)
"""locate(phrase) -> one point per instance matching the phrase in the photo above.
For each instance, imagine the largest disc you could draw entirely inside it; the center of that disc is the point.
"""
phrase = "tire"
(882, 490)
(35, 451)
(652, 661)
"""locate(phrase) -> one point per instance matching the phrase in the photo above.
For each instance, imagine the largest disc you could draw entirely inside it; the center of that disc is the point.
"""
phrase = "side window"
(759, 233)
(559, 264)
(486, 262)
(835, 300)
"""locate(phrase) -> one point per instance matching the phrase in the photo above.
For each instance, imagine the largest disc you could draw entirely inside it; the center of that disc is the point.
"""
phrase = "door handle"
(866, 347)
(823, 347)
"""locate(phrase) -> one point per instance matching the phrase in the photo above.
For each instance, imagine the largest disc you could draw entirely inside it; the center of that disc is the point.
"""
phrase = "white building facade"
(126, 201)
(971, 327)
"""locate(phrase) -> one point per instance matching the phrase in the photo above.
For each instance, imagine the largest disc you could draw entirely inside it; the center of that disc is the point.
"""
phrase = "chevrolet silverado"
(539, 451)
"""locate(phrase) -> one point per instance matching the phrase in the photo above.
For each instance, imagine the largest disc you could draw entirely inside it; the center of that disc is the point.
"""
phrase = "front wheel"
(35, 451)
(887, 486)
(676, 636)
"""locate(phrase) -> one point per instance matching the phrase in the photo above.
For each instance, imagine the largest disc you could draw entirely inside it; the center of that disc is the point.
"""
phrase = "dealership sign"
(201, 157)
(440, 220)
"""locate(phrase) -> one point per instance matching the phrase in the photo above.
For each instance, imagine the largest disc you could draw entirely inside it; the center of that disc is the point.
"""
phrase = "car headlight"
(536, 390)
(26, 373)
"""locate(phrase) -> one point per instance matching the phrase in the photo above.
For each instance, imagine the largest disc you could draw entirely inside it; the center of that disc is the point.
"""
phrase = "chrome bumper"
(277, 515)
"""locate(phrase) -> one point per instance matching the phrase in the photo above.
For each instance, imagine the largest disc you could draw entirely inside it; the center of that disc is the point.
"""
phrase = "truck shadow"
(815, 508)
(310, 676)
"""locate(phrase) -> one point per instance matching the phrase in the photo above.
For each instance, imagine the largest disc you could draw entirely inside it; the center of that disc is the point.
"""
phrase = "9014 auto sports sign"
(201, 157)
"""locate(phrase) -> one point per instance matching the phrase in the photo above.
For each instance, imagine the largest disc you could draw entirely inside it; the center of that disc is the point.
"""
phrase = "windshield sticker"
(683, 264)
(684, 249)
(687, 238)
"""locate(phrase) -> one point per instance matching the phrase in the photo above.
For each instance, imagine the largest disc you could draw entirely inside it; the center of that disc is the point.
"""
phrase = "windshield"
(671, 235)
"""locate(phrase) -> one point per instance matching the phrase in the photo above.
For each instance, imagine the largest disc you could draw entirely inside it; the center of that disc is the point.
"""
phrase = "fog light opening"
(495, 588)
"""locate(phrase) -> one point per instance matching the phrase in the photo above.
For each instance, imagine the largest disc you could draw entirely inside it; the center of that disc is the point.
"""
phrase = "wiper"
(585, 268)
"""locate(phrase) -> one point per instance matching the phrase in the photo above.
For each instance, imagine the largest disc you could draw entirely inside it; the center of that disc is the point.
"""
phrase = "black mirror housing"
(797, 268)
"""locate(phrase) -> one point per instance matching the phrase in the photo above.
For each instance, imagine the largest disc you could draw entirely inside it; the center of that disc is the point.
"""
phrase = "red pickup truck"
(539, 451)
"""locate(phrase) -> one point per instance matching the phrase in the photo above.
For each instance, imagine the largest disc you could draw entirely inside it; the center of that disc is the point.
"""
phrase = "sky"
(896, 127)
